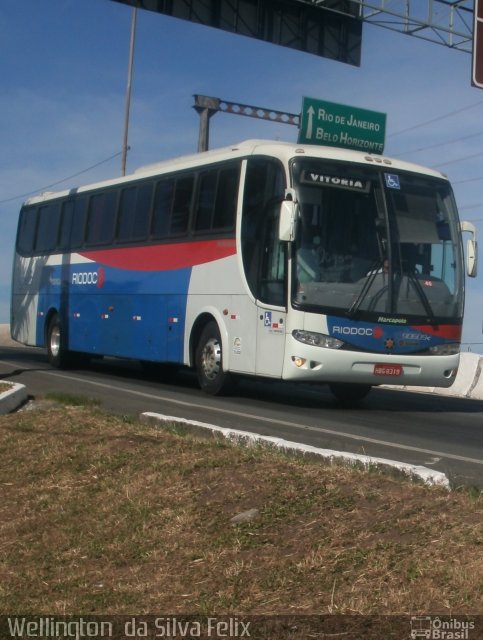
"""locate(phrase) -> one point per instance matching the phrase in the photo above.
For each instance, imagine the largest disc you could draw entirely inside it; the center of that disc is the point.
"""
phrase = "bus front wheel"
(209, 362)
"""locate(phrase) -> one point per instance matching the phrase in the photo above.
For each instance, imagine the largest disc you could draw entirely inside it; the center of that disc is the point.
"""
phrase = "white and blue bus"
(269, 259)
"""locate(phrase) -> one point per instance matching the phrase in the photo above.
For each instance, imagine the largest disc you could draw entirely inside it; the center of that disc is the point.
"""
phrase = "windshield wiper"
(373, 272)
(422, 296)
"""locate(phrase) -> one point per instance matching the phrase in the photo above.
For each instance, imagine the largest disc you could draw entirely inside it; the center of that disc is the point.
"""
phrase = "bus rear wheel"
(56, 352)
(209, 362)
(349, 393)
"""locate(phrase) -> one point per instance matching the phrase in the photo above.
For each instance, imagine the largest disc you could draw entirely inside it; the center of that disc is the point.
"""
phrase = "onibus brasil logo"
(435, 628)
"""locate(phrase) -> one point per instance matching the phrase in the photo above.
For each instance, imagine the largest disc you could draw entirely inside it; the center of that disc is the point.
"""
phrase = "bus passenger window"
(102, 213)
(134, 213)
(217, 195)
(162, 208)
(181, 205)
(206, 201)
(226, 197)
(48, 227)
(26, 230)
(73, 223)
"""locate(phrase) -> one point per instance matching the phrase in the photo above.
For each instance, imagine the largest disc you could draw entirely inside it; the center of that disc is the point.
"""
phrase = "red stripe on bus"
(163, 257)
(448, 331)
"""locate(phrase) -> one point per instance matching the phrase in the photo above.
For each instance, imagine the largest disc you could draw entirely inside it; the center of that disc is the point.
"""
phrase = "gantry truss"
(446, 22)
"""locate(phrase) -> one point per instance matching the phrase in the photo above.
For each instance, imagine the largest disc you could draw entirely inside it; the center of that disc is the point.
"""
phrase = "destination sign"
(339, 125)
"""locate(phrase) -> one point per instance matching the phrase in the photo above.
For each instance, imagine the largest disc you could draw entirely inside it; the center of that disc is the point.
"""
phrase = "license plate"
(388, 370)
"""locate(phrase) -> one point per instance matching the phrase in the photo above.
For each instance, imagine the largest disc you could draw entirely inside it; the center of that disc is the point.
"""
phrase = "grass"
(72, 399)
(104, 516)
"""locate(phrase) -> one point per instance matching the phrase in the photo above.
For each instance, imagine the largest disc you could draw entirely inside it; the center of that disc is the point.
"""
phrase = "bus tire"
(209, 362)
(349, 393)
(57, 355)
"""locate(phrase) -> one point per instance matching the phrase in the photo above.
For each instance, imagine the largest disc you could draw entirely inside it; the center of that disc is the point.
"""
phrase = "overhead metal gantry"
(293, 23)
(446, 22)
(331, 30)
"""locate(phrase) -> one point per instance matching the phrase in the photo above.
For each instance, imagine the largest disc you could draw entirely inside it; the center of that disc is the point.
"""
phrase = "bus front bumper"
(318, 364)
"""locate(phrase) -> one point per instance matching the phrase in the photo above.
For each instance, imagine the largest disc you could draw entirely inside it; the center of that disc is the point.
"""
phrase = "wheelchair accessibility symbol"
(392, 181)
(267, 320)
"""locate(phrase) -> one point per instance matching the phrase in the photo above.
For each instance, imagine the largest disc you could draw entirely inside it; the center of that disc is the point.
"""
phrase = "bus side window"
(180, 213)
(134, 213)
(72, 224)
(26, 230)
(102, 215)
(226, 197)
(217, 196)
(48, 227)
(206, 200)
(163, 200)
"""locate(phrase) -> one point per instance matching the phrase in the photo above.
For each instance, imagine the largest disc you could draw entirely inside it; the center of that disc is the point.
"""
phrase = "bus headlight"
(316, 339)
(445, 349)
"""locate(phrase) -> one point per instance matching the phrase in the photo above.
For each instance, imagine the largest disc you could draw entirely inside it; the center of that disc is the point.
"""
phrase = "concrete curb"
(13, 398)
(429, 476)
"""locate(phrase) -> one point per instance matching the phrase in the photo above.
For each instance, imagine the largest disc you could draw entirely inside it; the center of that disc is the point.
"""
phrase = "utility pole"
(125, 146)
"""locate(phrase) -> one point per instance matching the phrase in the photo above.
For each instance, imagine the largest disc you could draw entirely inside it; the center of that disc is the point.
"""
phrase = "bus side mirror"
(472, 258)
(288, 215)
(471, 249)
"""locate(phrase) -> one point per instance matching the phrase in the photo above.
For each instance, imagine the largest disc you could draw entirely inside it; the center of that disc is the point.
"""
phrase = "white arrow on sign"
(311, 112)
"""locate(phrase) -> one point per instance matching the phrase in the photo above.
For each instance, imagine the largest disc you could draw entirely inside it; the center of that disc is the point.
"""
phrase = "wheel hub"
(211, 359)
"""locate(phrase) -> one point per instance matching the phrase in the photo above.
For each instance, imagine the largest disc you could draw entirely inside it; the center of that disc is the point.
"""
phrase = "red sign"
(477, 67)
(388, 370)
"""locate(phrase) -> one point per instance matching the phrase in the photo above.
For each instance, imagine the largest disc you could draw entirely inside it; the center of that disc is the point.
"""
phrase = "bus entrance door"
(270, 342)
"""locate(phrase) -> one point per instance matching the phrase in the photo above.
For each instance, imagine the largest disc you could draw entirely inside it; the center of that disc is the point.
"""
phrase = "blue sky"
(64, 69)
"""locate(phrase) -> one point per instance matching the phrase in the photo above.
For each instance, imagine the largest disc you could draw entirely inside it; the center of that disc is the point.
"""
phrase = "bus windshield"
(371, 242)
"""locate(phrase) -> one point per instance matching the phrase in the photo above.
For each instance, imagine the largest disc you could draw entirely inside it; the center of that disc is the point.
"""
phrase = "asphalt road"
(441, 433)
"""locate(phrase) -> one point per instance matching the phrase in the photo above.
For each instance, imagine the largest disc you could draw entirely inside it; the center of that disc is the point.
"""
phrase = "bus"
(271, 259)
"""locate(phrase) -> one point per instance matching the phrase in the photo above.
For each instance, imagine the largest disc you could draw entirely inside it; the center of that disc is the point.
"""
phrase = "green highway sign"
(339, 125)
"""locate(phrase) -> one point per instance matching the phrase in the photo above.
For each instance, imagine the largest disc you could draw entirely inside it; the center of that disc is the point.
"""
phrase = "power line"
(441, 144)
(54, 184)
(437, 119)
(467, 180)
(473, 155)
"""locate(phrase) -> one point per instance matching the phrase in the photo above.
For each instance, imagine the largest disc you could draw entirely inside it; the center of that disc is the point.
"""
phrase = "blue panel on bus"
(391, 338)
(105, 310)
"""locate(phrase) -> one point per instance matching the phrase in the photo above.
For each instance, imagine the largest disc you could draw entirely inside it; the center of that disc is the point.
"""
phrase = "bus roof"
(283, 150)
